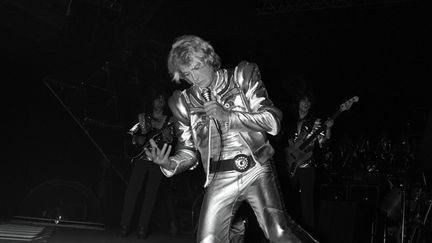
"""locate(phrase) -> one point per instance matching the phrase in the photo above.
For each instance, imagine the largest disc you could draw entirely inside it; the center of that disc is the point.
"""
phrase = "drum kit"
(382, 155)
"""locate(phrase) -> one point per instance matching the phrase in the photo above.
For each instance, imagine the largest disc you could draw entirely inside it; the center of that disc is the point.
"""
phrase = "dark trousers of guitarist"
(302, 188)
(146, 177)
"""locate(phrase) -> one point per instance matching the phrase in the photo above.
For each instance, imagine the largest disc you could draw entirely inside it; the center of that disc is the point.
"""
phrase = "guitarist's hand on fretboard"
(329, 123)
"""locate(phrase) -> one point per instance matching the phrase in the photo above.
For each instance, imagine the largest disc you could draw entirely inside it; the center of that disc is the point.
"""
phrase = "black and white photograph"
(243, 121)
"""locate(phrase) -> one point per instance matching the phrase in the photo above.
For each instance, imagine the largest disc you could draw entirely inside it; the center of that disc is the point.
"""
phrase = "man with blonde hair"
(223, 120)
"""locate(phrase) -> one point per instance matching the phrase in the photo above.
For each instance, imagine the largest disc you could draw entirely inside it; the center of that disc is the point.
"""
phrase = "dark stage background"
(74, 71)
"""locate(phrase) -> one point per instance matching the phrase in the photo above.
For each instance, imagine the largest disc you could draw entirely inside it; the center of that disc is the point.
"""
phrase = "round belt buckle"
(241, 162)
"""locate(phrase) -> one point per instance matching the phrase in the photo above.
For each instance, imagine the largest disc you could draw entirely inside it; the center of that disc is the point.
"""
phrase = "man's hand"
(317, 124)
(329, 123)
(159, 156)
(215, 110)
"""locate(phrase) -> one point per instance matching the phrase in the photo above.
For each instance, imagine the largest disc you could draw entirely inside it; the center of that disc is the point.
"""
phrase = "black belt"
(240, 163)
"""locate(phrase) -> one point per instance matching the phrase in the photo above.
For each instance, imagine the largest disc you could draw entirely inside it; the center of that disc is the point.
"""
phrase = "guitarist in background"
(301, 182)
(146, 177)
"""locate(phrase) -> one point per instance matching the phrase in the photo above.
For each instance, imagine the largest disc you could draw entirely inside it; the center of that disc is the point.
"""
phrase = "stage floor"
(12, 232)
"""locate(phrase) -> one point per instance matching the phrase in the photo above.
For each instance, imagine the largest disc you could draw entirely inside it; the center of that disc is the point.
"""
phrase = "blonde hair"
(184, 48)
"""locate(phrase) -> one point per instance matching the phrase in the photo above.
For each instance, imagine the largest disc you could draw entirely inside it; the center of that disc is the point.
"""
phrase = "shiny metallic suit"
(200, 138)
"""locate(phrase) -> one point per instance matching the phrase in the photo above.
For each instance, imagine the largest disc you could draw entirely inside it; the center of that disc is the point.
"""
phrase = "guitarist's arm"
(325, 135)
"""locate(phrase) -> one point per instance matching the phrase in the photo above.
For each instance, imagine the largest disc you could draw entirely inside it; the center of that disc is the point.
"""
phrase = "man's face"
(198, 73)
(159, 102)
(304, 104)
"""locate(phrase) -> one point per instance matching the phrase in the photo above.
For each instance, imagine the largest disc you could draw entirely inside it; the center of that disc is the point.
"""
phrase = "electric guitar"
(160, 136)
(300, 149)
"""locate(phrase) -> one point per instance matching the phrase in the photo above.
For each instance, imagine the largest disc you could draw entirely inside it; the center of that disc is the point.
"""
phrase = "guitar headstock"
(347, 104)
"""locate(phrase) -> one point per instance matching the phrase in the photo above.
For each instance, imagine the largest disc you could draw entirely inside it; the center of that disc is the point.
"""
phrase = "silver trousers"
(228, 190)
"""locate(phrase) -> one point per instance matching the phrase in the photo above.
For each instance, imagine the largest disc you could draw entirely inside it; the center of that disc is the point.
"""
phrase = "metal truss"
(271, 7)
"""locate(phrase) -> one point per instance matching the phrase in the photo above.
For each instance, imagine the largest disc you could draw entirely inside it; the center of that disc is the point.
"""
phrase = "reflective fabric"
(228, 190)
(251, 115)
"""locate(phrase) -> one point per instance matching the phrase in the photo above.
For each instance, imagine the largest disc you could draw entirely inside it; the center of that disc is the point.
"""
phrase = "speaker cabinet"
(347, 213)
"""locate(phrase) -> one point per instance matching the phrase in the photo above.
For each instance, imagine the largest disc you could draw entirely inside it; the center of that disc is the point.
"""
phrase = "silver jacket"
(252, 114)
